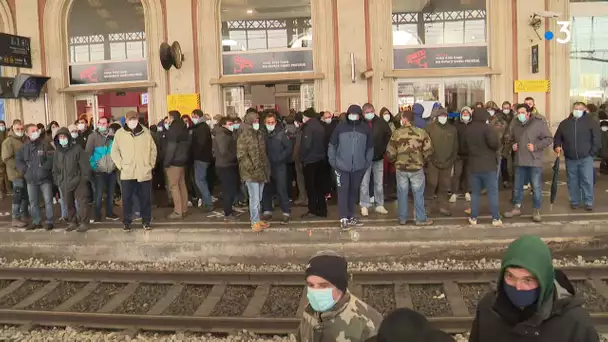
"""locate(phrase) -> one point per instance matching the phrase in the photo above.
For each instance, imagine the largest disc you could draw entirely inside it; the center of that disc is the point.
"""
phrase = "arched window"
(107, 41)
(261, 36)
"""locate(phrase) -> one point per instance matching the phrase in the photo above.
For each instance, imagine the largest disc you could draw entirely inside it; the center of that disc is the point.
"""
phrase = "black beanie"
(310, 113)
(332, 268)
(354, 109)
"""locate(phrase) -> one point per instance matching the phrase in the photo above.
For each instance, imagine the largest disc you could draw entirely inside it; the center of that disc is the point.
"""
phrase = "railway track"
(264, 303)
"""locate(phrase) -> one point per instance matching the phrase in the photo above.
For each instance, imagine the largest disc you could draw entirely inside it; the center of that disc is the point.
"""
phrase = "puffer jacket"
(10, 147)
(35, 161)
(134, 153)
(70, 163)
(251, 152)
(99, 149)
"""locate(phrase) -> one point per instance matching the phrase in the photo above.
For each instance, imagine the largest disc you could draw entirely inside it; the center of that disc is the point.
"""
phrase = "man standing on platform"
(312, 155)
(10, 147)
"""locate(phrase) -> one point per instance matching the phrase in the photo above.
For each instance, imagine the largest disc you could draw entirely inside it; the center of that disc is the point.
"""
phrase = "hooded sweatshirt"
(461, 127)
(99, 149)
(351, 147)
(444, 138)
(70, 163)
(251, 152)
(418, 110)
(481, 143)
(557, 315)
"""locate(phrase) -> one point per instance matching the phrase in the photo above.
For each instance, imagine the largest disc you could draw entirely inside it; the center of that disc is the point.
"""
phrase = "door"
(416, 90)
(87, 104)
(234, 101)
(307, 96)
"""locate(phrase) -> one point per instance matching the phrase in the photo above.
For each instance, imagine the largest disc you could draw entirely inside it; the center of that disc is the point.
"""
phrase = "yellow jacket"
(134, 153)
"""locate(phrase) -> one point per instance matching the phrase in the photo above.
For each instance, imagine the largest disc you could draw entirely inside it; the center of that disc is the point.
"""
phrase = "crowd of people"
(299, 159)
(532, 301)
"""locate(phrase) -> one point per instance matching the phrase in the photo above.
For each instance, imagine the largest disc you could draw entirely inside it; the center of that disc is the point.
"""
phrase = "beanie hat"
(310, 113)
(354, 109)
(331, 267)
(131, 115)
(437, 112)
(418, 109)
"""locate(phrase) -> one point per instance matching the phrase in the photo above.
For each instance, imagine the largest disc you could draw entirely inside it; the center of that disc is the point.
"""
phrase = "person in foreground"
(407, 325)
(532, 301)
(333, 313)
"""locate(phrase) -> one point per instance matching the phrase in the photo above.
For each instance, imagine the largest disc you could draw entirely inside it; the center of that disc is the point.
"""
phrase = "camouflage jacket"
(351, 320)
(409, 148)
(251, 155)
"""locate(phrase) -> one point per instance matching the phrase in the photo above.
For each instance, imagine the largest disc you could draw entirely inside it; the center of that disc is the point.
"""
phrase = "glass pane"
(237, 41)
(256, 40)
(234, 101)
(460, 93)
(276, 38)
(453, 32)
(117, 51)
(135, 50)
(409, 93)
(81, 53)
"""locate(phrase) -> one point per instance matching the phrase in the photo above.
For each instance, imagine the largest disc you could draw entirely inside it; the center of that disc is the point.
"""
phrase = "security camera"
(547, 14)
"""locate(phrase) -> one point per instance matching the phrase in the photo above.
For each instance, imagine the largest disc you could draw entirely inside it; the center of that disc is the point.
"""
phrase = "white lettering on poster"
(451, 60)
(118, 74)
(281, 64)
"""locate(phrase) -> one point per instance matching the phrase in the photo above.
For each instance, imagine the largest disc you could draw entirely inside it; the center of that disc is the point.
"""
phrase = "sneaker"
(175, 216)
(574, 206)
(285, 219)
(589, 208)
(536, 216)
(62, 220)
(472, 221)
(264, 224)
(364, 212)
(266, 216)
(96, 220)
(403, 222)
(516, 211)
(467, 197)
(381, 210)
(257, 227)
(55, 200)
(453, 198)
(527, 187)
(230, 218)
(189, 204)
(147, 226)
(344, 225)
(82, 228)
(17, 223)
(426, 222)
(112, 217)
(467, 211)
(309, 216)
(48, 226)
(127, 228)
(71, 227)
(199, 203)
(354, 222)
(372, 200)
(497, 223)
(206, 208)
(137, 217)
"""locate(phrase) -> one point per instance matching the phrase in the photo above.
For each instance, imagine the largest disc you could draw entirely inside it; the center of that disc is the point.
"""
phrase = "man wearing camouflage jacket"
(410, 148)
(333, 313)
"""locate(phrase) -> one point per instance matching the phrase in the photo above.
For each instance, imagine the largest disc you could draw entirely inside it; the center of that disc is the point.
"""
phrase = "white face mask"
(491, 112)
(132, 124)
(327, 121)
(81, 126)
(442, 119)
(604, 128)
(386, 117)
(506, 111)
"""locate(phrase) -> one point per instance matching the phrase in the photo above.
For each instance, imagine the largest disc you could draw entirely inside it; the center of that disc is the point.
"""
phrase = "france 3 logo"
(565, 34)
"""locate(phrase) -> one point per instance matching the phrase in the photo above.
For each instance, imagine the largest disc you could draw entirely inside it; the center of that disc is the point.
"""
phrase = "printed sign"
(441, 57)
(267, 62)
(534, 58)
(109, 72)
(15, 51)
(184, 103)
(532, 86)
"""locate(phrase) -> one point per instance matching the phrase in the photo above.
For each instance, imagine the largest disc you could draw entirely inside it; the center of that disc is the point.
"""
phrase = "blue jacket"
(418, 110)
(351, 147)
(278, 146)
(98, 149)
(35, 161)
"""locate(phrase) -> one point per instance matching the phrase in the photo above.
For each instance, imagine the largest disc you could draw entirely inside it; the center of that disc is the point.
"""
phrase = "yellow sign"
(532, 86)
(184, 103)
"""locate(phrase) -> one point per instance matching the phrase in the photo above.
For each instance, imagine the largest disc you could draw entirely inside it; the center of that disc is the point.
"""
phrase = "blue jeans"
(255, 189)
(64, 206)
(33, 192)
(277, 185)
(136, 193)
(377, 168)
(20, 199)
(489, 181)
(580, 180)
(200, 177)
(104, 182)
(416, 181)
(524, 174)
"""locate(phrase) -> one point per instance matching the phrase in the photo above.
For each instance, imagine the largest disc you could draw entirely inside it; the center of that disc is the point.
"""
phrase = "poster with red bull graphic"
(267, 62)
(441, 57)
(105, 72)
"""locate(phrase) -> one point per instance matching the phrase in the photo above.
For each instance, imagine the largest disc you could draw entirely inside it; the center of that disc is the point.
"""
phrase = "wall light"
(249, 11)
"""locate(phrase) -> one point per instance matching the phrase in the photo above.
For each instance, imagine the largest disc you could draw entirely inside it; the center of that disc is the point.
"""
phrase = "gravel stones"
(594, 302)
(282, 301)
(143, 299)
(380, 297)
(472, 293)
(234, 301)
(191, 297)
(430, 300)
(28, 288)
(96, 300)
(63, 292)
(5, 283)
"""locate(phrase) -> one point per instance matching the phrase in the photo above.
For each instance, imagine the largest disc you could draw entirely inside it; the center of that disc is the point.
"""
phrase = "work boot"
(17, 223)
(516, 211)
(49, 226)
(264, 224)
(536, 216)
(34, 226)
(175, 216)
(82, 227)
(71, 227)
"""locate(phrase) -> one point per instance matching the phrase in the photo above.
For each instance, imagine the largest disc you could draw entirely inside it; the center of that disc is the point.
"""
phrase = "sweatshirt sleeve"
(558, 139)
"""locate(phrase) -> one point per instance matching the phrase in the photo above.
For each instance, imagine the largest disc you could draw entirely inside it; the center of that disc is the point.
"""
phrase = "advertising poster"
(441, 57)
(105, 72)
(267, 62)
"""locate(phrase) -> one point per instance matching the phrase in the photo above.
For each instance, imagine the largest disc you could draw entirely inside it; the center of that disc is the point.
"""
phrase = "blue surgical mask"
(521, 298)
(101, 129)
(353, 117)
(270, 128)
(577, 113)
(74, 135)
(63, 141)
(2, 128)
(369, 116)
(522, 117)
(321, 300)
(256, 126)
(167, 126)
(236, 125)
(491, 112)
(35, 135)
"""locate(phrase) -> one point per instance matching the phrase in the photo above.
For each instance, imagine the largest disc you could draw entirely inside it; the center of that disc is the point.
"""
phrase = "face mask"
(19, 134)
(521, 298)
(320, 300)
(81, 126)
(256, 126)
(305, 119)
(506, 111)
(159, 128)
(491, 112)
(54, 130)
(442, 119)
(521, 117)
(353, 117)
(466, 118)
(369, 116)
(604, 128)
(167, 126)
(102, 129)
(386, 117)
(236, 125)
(297, 124)
(74, 135)
(231, 128)
(63, 141)
(327, 121)
(577, 113)
(270, 128)
(195, 120)
(133, 124)
(2, 128)
(35, 135)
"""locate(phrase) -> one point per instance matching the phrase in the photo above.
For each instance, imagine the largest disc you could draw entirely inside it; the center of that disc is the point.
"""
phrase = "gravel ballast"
(282, 301)
(100, 297)
(234, 301)
(143, 299)
(191, 297)
(594, 302)
(472, 293)
(430, 300)
(28, 288)
(63, 292)
(382, 297)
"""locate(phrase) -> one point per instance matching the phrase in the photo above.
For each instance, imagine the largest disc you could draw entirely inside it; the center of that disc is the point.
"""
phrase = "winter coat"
(176, 146)
(557, 316)
(500, 126)
(351, 147)
(409, 148)
(224, 147)
(202, 145)
(134, 153)
(461, 129)
(481, 143)
(35, 161)
(251, 152)
(418, 110)
(312, 145)
(534, 131)
(10, 147)
(329, 130)
(579, 138)
(604, 150)
(445, 144)
(70, 163)
(350, 320)
(99, 150)
(278, 146)
(381, 134)
(82, 138)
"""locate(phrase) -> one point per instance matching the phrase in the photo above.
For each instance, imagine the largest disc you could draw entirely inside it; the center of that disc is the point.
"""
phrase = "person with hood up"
(71, 172)
(51, 131)
(10, 147)
(532, 301)
(460, 179)
(529, 138)
(444, 137)
(578, 137)
(254, 167)
(333, 313)
(175, 159)
(202, 153)
(418, 110)
(381, 134)
(481, 143)
(351, 150)
(134, 154)
(35, 162)
(407, 325)
(313, 154)
(388, 117)
(224, 150)
(5, 183)
(99, 150)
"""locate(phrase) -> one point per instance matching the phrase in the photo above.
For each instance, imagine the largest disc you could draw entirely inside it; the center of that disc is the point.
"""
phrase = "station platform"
(206, 237)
